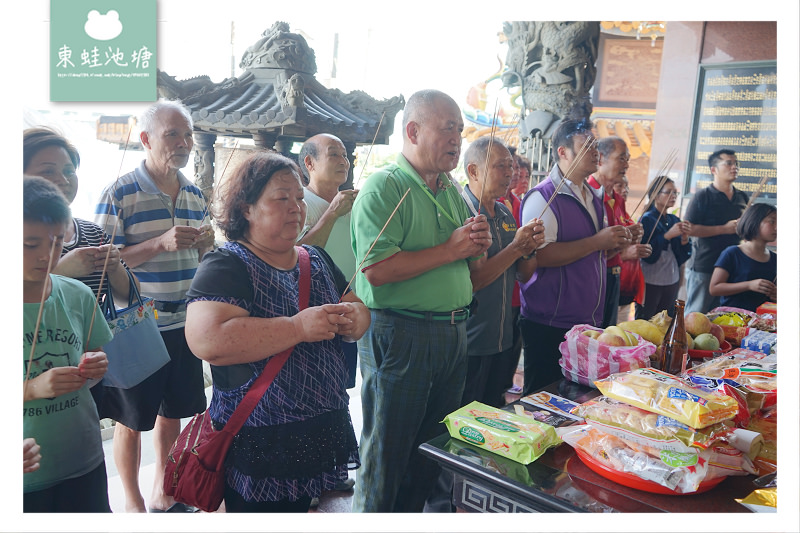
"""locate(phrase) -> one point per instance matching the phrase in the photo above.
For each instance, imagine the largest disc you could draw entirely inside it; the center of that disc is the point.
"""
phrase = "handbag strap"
(109, 309)
(276, 362)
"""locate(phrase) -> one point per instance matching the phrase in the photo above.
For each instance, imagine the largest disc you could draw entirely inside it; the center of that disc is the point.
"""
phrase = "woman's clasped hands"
(324, 322)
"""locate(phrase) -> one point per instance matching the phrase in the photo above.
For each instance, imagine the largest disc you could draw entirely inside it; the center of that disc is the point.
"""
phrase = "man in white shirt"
(325, 165)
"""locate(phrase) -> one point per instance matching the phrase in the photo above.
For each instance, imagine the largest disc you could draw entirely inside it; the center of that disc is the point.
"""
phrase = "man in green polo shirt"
(416, 282)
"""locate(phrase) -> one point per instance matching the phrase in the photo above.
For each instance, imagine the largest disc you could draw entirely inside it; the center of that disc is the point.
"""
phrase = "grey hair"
(147, 120)
(309, 148)
(477, 151)
(606, 145)
(419, 101)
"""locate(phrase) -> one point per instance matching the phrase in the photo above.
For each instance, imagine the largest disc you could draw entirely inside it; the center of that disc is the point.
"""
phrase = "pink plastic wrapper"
(584, 360)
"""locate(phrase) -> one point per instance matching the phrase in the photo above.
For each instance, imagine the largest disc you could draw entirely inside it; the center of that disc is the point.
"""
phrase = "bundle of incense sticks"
(588, 145)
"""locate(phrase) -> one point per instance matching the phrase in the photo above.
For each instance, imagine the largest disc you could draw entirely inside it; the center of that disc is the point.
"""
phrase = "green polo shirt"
(418, 224)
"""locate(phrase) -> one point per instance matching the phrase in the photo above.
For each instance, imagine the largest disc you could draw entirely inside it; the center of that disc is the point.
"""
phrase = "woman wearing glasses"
(671, 248)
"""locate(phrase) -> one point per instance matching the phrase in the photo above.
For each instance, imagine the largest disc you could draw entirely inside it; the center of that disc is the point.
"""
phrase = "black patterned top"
(299, 440)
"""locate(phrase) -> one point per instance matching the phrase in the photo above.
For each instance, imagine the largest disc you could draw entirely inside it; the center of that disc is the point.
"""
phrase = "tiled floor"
(331, 502)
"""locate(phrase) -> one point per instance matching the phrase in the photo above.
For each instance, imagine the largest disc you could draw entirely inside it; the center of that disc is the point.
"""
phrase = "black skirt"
(295, 450)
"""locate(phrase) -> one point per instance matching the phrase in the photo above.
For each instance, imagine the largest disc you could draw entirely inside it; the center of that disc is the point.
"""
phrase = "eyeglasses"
(730, 163)
(669, 193)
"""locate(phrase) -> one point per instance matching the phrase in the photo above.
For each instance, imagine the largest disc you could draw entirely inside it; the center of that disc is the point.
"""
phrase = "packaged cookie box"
(770, 308)
(761, 341)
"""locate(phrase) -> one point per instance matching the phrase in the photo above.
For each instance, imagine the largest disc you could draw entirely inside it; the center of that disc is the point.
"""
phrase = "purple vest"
(572, 294)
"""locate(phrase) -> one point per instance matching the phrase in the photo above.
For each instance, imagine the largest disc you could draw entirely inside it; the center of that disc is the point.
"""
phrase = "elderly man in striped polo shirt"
(162, 232)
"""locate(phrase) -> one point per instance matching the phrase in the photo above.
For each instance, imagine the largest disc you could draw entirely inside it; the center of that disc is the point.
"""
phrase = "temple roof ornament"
(278, 97)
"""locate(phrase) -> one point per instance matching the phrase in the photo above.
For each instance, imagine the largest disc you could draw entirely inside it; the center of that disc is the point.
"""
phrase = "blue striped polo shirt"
(139, 209)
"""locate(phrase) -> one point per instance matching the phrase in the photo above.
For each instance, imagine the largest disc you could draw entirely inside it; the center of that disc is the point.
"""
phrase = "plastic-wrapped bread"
(643, 427)
(665, 394)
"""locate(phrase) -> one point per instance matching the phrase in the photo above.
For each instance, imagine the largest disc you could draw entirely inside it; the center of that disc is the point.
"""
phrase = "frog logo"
(103, 27)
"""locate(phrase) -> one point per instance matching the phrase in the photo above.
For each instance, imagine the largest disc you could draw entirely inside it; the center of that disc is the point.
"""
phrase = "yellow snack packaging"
(665, 394)
(519, 438)
(761, 500)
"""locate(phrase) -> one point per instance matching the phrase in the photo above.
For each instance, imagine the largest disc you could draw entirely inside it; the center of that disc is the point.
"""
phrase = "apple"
(629, 339)
(611, 339)
(697, 323)
(706, 341)
(592, 334)
(718, 332)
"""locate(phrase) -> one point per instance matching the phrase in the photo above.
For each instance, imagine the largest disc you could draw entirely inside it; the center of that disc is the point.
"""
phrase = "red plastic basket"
(635, 482)
(724, 347)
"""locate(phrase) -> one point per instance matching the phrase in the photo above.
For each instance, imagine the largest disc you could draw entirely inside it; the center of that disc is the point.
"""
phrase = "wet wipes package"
(516, 437)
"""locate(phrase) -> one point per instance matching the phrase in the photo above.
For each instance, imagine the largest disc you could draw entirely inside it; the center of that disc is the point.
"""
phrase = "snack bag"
(747, 376)
(585, 360)
(766, 423)
(761, 500)
(679, 472)
(665, 394)
(733, 322)
(649, 429)
(764, 322)
(519, 438)
(726, 460)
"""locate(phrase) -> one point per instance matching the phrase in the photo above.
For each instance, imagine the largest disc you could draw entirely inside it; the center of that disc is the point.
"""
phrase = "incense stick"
(207, 208)
(488, 153)
(662, 180)
(660, 214)
(761, 183)
(373, 243)
(660, 174)
(587, 145)
(39, 315)
(508, 134)
(110, 245)
(375, 138)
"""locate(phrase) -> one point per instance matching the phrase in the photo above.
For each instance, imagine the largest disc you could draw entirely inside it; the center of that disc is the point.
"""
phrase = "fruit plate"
(700, 354)
(635, 482)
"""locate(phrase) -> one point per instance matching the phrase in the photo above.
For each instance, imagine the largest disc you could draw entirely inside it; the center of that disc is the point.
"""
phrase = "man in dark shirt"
(713, 213)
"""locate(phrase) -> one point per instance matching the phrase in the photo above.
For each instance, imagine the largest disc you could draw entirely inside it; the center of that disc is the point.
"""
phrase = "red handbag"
(195, 469)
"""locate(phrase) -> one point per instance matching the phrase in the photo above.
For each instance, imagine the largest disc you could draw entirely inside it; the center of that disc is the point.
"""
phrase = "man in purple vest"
(568, 287)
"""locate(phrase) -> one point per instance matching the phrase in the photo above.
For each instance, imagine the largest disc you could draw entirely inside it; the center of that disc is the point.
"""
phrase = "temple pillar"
(265, 141)
(204, 158)
(284, 147)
